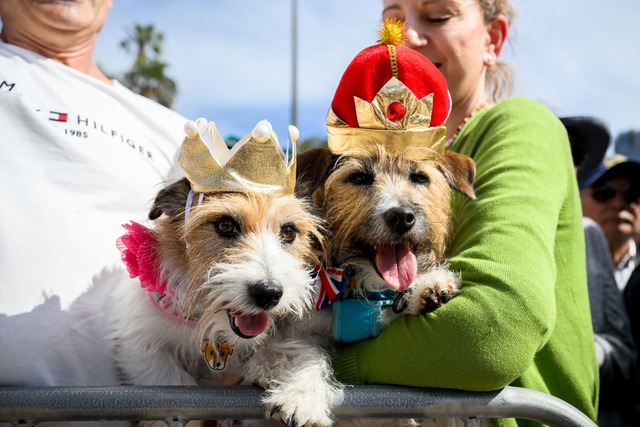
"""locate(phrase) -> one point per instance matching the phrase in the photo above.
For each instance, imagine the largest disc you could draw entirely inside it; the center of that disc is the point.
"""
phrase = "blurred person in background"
(615, 350)
(610, 197)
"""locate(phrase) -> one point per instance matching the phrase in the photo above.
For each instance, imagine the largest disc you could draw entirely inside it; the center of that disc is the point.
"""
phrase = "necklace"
(464, 122)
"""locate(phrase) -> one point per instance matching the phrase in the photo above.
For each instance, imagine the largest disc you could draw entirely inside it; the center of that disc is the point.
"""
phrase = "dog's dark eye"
(419, 178)
(227, 227)
(361, 178)
(288, 232)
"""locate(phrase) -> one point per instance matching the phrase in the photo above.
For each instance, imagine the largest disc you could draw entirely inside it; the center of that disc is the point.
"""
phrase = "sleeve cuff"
(344, 365)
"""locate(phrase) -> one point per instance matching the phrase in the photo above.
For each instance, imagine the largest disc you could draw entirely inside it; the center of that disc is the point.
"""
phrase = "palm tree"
(147, 75)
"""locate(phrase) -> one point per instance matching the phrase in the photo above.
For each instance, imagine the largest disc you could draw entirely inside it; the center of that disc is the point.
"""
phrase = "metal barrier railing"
(178, 404)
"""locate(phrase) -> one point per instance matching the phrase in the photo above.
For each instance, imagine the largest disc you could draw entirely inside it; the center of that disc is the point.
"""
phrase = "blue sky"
(232, 59)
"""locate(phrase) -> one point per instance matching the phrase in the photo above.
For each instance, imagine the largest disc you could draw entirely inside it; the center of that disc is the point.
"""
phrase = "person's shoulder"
(592, 230)
(520, 128)
(524, 116)
(590, 224)
(145, 104)
(523, 107)
(18, 55)
(14, 59)
(124, 91)
(9, 51)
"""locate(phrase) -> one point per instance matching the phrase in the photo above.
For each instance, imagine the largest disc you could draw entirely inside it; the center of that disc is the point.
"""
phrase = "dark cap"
(618, 165)
(589, 138)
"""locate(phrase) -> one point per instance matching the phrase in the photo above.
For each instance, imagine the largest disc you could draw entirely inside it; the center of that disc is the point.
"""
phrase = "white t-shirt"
(78, 158)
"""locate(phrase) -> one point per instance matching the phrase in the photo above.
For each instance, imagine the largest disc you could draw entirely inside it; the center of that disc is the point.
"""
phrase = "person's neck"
(76, 55)
(465, 108)
(619, 250)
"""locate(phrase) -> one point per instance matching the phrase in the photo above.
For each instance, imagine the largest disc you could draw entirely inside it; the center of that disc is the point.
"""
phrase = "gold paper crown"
(255, 163)
(395, 118)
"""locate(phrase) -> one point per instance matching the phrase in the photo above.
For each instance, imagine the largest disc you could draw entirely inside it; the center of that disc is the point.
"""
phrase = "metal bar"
(510, 402)
(38, 404)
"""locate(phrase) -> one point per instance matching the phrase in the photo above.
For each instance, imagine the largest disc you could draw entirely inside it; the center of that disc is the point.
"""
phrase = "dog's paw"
(300, 414)
(439, 295)
(432, 291)
(308, 407)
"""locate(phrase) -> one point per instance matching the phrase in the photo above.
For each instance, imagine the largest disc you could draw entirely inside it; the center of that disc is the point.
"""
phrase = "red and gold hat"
(390, 95)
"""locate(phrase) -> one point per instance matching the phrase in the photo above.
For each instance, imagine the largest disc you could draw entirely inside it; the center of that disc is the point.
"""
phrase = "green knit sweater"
(522, 317)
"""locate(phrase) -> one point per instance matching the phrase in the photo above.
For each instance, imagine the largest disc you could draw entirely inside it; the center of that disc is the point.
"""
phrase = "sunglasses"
(607, 191)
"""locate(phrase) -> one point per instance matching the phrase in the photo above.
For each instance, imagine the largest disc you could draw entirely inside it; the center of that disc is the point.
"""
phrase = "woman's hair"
(499, 77)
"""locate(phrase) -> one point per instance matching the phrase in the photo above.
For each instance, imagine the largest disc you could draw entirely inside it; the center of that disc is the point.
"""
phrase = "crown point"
(294, 133)
(191, 129)
(262, 132)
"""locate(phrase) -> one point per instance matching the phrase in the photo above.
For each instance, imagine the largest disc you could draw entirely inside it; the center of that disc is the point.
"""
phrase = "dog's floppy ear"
(460, 172)
(312, 170)
(171, 199)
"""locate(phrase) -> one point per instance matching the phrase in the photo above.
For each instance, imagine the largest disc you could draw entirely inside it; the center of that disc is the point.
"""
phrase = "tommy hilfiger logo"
(57, 117)
(81, 126)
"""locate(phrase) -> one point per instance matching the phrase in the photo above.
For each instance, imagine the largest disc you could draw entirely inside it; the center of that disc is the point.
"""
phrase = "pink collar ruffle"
(138, 247)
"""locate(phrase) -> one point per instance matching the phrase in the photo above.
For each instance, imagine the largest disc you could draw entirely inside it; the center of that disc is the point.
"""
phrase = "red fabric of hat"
(371, 69)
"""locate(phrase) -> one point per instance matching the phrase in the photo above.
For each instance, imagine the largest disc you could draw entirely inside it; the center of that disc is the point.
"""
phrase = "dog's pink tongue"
(397, 265)
(252, 325)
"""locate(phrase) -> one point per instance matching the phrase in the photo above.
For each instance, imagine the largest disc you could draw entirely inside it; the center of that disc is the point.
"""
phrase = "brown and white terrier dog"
(236, 273)
(388, 219)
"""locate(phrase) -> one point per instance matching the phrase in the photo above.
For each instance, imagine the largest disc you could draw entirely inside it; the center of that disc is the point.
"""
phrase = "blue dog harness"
(355, 317)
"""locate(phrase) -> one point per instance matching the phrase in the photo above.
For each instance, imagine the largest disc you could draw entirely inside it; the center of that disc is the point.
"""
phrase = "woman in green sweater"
(522, 317)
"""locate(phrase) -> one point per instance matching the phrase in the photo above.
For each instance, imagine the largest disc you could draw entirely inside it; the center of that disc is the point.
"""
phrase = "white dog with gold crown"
(223, 274)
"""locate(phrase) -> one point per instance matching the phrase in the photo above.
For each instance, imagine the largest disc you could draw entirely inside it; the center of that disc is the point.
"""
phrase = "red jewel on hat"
(396, 111)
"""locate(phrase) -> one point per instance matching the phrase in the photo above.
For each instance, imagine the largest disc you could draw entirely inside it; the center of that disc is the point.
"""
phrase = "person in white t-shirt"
(80, 155)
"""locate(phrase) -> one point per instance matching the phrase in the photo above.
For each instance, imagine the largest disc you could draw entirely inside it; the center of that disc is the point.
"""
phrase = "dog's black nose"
(400, 220)
(266, 294)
